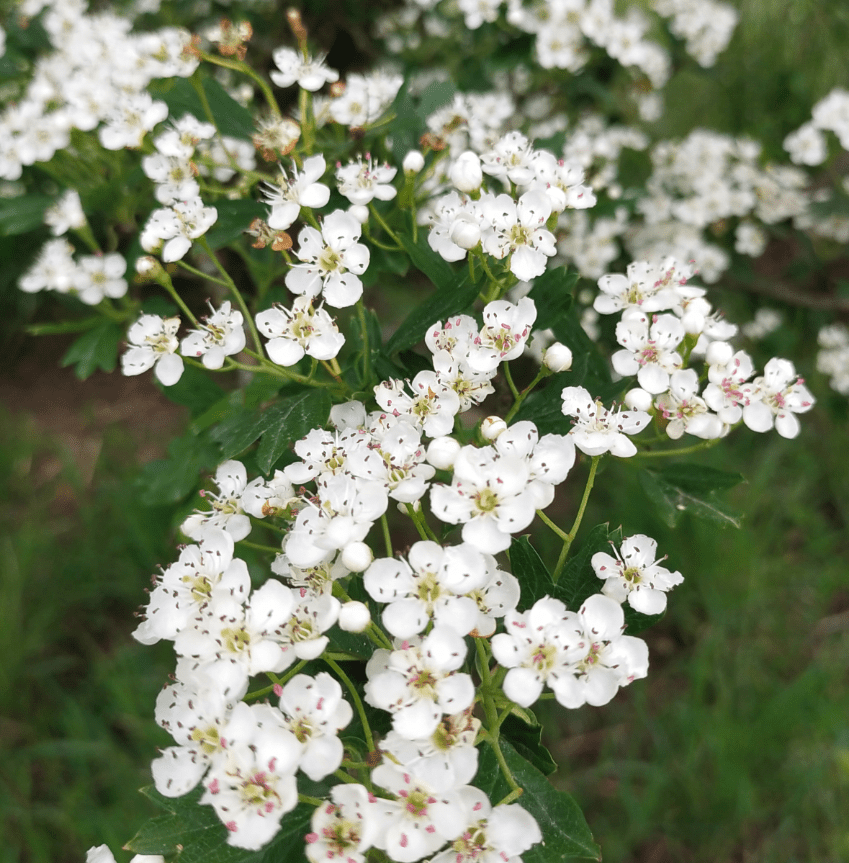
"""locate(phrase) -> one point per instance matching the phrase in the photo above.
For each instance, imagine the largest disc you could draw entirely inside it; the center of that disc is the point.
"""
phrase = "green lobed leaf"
(290, 420)
(22, 213)
(169, 480)
(636, 622)
(578, 579)
(181, 97)
(195, 390)
(698, 477)
(673, 499)
(434, 266)
(526, 740)
(544, 406)
(531, 572)
(552, 293)
(238, 431)
(97, 348)
(196, 832)
(234, 218)
(567, 329)
(454, 294)
(565, 833)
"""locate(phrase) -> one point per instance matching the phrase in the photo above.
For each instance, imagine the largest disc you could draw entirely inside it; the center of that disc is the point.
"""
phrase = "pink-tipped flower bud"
(354, 617)
(557, 358)
(466, 174)
(442, 452)
(492, 426)
(413, 162)
(357, 556)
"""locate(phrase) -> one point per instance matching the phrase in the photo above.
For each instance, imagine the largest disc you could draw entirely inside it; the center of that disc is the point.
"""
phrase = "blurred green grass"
(76, 695)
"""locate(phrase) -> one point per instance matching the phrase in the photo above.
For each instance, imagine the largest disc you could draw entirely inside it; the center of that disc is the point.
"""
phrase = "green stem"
(307, 131)
(542, 373)
(421, 525)
(355, 696)
(659, 453)
(282, 681)
(259, 547)
(384, 523)
(383, 224)
(492, 715)
(241, 66)
(546, 520)
(204, 244)
(345, 777)
(377, 243)
(198, 86)
(513, 795)
(570, 538)
(202, 274)
(313, 801)
(510, 383)
(361, 313)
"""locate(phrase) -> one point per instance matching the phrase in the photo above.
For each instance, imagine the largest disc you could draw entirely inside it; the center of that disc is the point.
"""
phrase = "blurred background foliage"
(736, 747)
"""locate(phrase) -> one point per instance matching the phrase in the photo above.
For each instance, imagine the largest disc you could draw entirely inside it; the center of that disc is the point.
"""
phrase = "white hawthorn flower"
(684, 409)
(66, 214)
(490, 496)
(646, 287)
(286, 196)
(204, 573)
(315, 711)
(504, 333)
(252, 786)
(535, 645)
(99, 276)
(228, 506)
(445, 759)
(606, 659)
(597, 430)
(649, 350)
(170, 231)
(511, 158)
(361, 182)
(432, 407)
(153, 344)
(518, 229)
(635, 575)
(332, 259)
(775, 399)
(301, 331)
(419, 683)
(419, 819)
(310, 74)
(430, 585)
(492, 834)
(344, 827)
(726, 392)
(220, 335)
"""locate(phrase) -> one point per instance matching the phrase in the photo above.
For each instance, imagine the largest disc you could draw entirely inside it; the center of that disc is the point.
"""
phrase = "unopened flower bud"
(693, 322)
(146, 264)
(413, 162)
(359, 212)
(558, 358)
(356, 556)
(719, 353)
(466, 174)
(465, 232)
(638, 399)
(442, 452)
(354, 617)
(492, 426)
